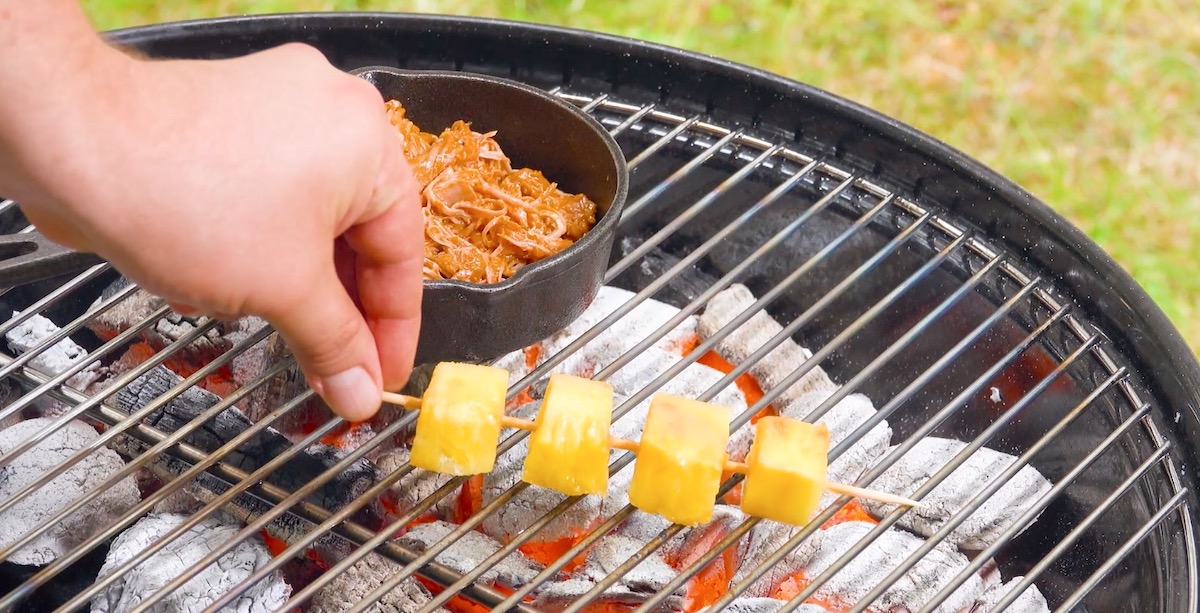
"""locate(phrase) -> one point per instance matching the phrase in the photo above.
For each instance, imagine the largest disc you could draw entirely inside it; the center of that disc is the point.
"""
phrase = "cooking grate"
(943, 329)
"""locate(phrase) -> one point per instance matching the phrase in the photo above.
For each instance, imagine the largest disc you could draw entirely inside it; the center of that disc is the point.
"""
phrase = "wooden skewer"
(413, 404)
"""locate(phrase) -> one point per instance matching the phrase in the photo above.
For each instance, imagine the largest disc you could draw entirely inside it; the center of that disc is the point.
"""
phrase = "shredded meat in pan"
(484, 219)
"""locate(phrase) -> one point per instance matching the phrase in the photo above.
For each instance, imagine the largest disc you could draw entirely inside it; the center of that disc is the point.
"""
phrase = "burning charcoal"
(866, 570)
(618, 338)
(283, 388)
(989, 521)
(842, 420)
(746, 604)
(352, 586)
(764, 539)
(22, 517)
(1030, 601)
(691, 382)
(417, 485)
(258, 450)
(469, 552)
(737, 346)
(254, 361)
(635, 586)
(180, 555)
(530, 505)
(56, 359)
(139, 306)
(10, 391)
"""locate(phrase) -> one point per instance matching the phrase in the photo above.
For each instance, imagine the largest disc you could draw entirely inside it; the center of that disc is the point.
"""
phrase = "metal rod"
(167, 489)
(110, 433)
(661, 187)
(993, 486)
(948, 409)
(934, 481)
(1029, 516)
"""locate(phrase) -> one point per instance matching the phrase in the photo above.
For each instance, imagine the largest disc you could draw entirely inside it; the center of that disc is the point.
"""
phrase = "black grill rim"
(882, 147)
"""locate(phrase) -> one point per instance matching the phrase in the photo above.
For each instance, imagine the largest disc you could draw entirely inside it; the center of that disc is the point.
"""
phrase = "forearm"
(55, 69)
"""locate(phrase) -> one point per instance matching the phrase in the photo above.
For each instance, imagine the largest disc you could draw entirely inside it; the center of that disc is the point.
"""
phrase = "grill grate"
(737, 207)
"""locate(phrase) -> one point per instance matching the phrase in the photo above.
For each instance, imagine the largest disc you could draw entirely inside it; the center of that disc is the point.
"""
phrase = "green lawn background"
(1092, 105)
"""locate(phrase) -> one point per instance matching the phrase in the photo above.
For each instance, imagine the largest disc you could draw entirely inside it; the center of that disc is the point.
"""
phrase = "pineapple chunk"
(459, 424)
(786, 470)
(568, 450)
(680, 459)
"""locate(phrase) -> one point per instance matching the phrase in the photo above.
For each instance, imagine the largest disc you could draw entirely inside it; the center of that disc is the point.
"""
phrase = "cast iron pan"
(473, 322)
(464, 321)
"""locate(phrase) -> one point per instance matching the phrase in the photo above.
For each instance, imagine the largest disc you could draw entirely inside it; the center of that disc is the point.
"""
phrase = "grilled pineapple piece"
(459, 424)
(786, 470)
(680, 459)
(568, 450)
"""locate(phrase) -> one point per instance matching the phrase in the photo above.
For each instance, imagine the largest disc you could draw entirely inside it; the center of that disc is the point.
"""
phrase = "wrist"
(53, 129)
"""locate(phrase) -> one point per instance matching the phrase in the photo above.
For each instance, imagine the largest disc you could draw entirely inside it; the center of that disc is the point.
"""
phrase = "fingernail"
(351, 393)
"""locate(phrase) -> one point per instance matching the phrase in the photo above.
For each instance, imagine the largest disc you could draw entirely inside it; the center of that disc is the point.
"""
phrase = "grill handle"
(28, 256)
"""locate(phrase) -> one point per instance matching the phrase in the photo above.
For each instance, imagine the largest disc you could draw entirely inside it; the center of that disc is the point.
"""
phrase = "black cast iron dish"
(472, 322)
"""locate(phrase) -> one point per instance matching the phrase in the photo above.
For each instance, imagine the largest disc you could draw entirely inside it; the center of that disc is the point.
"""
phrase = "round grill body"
(939, 289)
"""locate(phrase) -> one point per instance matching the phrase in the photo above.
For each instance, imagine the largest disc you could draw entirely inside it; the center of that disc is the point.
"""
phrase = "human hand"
(270, 185)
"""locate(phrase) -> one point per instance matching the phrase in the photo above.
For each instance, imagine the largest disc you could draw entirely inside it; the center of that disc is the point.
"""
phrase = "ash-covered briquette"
(842, 420)
(635, 586)
(52, 361)
(351, 587)
(691, 382)
(764, 540)
(1030, 601)
(998, 513)
(867, 570)
(182, 554)
(415, 486)
(528, 506)
(737, 346)
(751, 604)
(22, 517)
(139, 305)
(618, 338)
(469, 552)
(297, 472)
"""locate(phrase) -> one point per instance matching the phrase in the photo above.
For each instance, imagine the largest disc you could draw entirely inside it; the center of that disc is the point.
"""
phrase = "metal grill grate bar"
(931, 483)
(1029, 516)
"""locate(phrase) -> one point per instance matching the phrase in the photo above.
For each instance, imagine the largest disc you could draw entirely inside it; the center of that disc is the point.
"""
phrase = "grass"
(1092, 105)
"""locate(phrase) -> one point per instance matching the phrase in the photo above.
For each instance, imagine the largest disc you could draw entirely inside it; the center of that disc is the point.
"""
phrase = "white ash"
(469, 552)
(635, 586)
(765, 539)
(417, 485)
(253, 362)
(739, 344)
(618, 338)
(997, 514)
(612, 344)
(53, 360)
(868, 569)
(351, 587)
(531, 504)
(182, 554)
(842, 420)
(1030, 601)
(691, 382)
(140, 305)
(22, 517)
(744, 604)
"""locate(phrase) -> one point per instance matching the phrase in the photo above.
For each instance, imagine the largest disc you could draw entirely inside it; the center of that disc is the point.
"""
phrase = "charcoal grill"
(961, 305)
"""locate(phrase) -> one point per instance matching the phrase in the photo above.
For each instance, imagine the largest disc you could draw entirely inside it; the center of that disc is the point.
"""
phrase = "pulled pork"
(484, 219)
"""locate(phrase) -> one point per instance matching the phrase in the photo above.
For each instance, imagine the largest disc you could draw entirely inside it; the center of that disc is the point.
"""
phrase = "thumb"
(335, 348)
